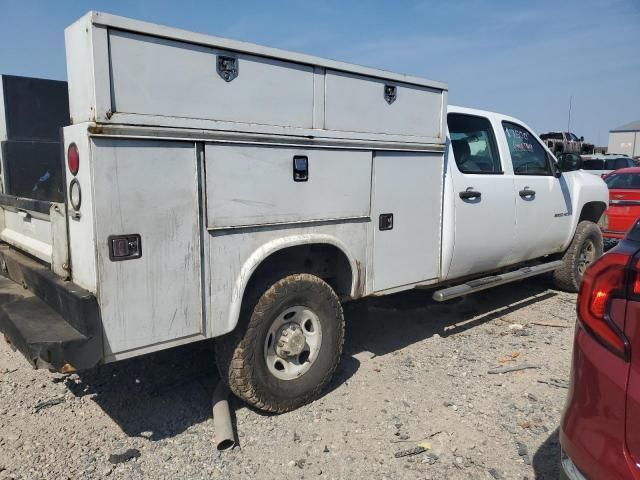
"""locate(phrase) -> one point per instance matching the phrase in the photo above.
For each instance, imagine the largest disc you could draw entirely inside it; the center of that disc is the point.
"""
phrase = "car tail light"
(73, 158)
(634, 278)
(604, 280)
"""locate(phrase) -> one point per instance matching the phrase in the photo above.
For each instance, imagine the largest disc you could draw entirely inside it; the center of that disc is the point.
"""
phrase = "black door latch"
(125, 247)
(300, 168)
(385, 222)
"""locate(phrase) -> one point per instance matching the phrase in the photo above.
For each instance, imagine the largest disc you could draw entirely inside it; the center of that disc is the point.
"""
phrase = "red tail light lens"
(73, 159)
(603, 280)
(635, 279)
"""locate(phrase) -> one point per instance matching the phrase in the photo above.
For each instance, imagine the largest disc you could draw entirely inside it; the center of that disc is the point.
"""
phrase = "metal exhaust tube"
(222, 425)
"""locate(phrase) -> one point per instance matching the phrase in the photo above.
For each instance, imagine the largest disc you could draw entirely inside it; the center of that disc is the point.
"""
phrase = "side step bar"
(485, 283)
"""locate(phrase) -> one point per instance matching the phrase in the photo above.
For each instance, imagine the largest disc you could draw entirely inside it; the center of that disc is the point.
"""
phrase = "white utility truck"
(214, 188)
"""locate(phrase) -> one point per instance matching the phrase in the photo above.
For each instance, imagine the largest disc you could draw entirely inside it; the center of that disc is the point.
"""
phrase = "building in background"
(625, 139)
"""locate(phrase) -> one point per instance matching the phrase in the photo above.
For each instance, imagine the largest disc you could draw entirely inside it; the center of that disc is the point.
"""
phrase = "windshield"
(623, 181)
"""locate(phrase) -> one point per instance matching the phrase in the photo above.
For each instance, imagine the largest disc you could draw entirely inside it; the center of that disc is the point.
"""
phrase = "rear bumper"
(569, 469)
(52, 322)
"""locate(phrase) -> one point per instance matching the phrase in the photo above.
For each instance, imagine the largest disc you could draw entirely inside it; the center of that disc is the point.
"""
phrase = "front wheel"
(286, 346)
(586, 247)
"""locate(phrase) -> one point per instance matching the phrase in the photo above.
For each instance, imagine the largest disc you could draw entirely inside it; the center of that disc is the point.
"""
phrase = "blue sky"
(520, 58)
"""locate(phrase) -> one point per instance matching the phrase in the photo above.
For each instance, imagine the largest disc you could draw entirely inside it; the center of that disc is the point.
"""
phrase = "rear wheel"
(286, 346)
(585, 248)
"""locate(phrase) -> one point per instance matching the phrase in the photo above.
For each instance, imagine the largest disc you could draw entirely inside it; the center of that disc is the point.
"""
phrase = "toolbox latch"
(125, 247)
(227, 67)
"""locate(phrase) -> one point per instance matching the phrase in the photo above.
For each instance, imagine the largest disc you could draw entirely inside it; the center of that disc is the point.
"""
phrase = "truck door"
(543, 201)
(483, 198)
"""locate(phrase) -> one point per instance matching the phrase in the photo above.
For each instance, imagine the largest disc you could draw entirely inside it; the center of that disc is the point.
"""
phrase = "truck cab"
(507, 193)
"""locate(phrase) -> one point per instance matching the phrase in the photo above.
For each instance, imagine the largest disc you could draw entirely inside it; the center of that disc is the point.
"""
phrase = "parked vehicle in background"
(603, 164)
(599, 434)
(566, 142)
(624, 203)
(235, 197)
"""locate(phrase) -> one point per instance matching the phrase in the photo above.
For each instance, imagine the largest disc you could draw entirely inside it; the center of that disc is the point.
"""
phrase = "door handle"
(470, 194)
(527, 193)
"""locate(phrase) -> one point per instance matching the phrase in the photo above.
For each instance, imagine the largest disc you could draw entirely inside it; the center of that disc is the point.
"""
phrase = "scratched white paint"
(253, 185)
(148, 188)
(275, 91)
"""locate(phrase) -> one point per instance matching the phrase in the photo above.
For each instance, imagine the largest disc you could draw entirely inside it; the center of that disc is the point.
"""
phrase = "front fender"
(586, 188)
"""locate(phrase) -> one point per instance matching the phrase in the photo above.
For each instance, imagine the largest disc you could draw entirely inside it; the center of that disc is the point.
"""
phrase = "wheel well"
(323, 260)
(592, 211)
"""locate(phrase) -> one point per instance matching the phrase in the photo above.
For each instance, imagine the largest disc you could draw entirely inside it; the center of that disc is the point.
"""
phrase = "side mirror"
(582, 139)
(569, 162)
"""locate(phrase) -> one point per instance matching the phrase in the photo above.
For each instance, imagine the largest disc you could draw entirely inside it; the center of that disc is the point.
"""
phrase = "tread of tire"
(234, 355)
(563, 277)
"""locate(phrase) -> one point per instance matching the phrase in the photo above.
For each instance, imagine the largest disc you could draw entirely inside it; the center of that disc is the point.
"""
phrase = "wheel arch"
(283, 253)
(592, 211)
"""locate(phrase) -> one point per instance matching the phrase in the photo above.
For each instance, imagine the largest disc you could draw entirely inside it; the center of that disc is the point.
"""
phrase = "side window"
(527, 155)
(473, 144)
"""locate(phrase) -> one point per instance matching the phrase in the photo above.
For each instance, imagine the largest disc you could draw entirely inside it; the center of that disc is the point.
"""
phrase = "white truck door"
(483, 198)
(543, 202)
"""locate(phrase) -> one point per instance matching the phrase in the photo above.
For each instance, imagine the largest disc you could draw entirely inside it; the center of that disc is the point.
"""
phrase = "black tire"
(240, 354)
(569, 276)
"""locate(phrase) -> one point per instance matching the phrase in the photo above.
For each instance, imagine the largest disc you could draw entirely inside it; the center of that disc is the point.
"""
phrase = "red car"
(600, 428)
(624, 202)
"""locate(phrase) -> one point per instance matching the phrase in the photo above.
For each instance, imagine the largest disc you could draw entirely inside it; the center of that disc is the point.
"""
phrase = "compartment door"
(259, 185)
(155, 76)
(147, 188)
(359, 104)
(406, 218)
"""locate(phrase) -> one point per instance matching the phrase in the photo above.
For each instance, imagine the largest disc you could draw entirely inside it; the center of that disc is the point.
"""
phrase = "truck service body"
(214, 188)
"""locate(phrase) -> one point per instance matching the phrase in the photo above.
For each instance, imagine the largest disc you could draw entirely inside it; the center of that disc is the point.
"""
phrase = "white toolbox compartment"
(138, 73)
(255, 185)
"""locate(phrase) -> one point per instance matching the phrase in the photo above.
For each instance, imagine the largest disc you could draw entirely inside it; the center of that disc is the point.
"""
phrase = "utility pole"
(569, 121)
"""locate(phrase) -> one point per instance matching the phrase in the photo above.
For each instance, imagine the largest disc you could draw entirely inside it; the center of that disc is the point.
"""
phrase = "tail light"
(634, 281)
(605, 279)
(73, 159)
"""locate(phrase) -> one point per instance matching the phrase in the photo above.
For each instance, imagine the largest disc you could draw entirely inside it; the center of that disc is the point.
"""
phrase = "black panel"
(35, 109)
(33, 170)
(51, 321)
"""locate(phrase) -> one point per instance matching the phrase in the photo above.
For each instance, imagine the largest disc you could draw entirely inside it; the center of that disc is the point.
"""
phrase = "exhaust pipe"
(222, 425)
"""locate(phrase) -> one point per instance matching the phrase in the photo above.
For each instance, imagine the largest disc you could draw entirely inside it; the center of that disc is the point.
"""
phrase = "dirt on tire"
(239, 354)
(567, 277)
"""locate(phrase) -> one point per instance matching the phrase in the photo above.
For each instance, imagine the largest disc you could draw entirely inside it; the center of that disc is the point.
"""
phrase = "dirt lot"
(412, 371)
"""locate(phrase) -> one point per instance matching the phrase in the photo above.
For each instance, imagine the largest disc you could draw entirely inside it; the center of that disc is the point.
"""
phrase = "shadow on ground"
(546, 460)
(162, 394)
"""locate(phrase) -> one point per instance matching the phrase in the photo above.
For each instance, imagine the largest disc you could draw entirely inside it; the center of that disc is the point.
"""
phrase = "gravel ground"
(412, 371)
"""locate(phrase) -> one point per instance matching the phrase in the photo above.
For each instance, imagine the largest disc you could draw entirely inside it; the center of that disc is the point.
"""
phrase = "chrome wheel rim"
(586, 257)
(293, 342)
